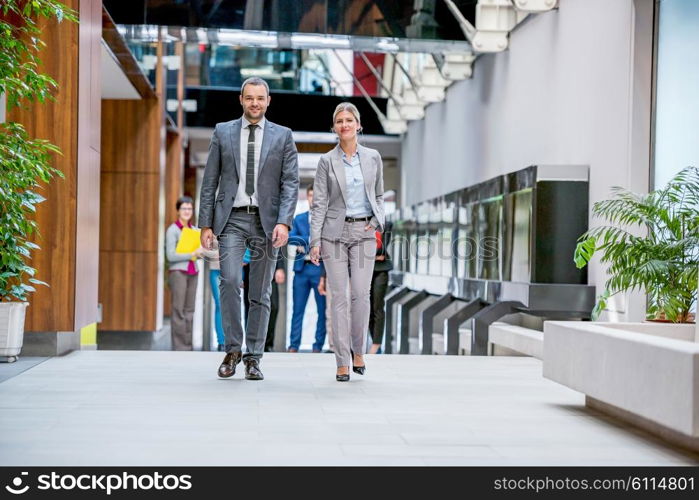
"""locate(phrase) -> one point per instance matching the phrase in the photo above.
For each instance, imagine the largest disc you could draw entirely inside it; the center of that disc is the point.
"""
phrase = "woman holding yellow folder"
(182, 273)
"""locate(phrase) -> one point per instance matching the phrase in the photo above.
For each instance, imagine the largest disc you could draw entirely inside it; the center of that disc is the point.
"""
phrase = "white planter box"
(645, 372)
(11, 328)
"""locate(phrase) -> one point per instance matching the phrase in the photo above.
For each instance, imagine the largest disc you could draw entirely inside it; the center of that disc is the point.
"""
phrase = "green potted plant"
(25, 162)
(664, 260)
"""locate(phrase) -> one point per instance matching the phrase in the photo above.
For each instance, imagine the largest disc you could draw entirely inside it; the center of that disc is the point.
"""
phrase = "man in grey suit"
(253, 165)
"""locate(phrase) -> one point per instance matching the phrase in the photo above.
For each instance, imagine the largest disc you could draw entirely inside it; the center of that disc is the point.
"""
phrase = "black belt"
(358, 219)
(250, 209)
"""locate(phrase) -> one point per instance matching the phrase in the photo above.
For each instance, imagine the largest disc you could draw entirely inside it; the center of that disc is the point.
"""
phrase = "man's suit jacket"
(330, 191)
(300, 235)
(277, 177)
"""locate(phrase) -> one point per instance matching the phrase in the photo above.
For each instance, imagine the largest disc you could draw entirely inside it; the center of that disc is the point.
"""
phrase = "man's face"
(254, 100)
(309, 195)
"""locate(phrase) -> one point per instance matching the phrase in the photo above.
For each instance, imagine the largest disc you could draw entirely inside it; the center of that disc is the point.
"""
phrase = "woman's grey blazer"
(330, 191)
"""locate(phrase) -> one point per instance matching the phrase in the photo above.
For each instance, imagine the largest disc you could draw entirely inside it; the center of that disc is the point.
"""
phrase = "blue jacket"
(300, 235)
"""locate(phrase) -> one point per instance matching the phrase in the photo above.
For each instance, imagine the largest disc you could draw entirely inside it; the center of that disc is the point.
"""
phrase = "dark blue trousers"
(304, 281)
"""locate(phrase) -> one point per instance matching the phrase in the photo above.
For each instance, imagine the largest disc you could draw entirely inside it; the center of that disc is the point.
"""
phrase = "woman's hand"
(315, 255)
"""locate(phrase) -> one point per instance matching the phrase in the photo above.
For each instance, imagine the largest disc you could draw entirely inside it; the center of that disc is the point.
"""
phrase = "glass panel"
(447, 236)
(413, 239)
(145, 55)
(522, 236)
(427, 20)
(435, 237)
(516, 239)
(467, 245)
(677, 101)
(315, 71)
(422, 238)
(488, 213)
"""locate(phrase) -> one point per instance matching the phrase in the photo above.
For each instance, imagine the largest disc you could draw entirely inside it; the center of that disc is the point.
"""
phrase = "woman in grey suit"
(347, 210)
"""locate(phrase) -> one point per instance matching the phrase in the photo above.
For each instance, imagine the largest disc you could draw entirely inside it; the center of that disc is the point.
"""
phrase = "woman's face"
(346, 126)
(185, 212)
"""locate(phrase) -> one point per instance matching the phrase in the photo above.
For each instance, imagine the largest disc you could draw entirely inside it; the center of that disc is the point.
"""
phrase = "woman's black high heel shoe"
(357, 369)
(342, 378)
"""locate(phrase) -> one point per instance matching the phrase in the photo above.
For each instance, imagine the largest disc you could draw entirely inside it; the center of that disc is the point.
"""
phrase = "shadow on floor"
(624, 426)
(9, 370)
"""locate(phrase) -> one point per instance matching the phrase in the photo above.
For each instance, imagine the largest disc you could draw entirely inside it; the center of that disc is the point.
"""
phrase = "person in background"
(212, 257)
(182, 277)
(306, 278)
(379, 285)
(279, 279)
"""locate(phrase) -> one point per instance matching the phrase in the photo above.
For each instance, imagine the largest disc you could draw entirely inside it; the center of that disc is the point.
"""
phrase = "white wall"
(574, 88)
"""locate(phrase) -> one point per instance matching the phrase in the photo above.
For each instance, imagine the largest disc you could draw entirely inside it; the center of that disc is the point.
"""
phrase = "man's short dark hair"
(309, 188)
(254, 80)
(182, 200)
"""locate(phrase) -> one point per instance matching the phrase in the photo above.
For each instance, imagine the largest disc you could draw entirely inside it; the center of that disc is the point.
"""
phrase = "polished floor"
(169, 408)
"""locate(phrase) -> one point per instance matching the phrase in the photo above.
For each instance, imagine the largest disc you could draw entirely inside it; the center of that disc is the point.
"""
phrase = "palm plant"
(25, 162)
(665, 261)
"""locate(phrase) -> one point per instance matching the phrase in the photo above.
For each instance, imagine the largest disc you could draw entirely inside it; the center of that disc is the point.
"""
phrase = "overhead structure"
(414, 80)
(416, 68)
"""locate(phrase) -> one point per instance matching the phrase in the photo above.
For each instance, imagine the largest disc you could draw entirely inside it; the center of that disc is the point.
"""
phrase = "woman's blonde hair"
(347, 106)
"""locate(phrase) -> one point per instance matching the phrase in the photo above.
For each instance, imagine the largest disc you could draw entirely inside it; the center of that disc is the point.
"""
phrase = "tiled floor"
(169, 408)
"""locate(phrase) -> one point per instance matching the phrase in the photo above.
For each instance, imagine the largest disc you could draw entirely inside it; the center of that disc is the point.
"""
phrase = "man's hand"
(207, 238)
(300, 249)
(279, 276)
(380, 257)
(315, 255)
(321, 286)
(280, 235)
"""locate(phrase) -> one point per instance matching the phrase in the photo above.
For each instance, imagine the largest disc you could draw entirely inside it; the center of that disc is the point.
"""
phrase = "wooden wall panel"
(130, 201)
(131, 214)
(174, 176)
(134, 170)
(128, 290)
(130, 139)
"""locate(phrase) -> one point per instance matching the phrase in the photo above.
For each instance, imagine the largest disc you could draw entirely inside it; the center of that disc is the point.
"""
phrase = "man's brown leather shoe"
(252, 369)
(227, 368)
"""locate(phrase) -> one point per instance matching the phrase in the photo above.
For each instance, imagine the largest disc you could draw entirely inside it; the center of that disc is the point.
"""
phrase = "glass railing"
(314, 71)
(427, 20)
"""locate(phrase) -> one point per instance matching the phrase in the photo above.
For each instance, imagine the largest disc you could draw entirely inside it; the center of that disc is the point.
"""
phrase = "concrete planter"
(11, 329)
(645, 373)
